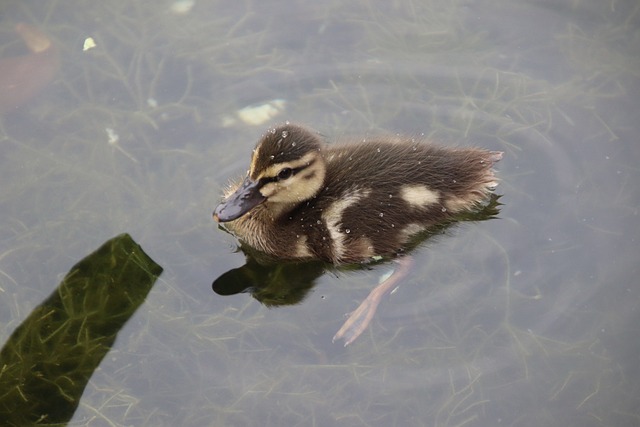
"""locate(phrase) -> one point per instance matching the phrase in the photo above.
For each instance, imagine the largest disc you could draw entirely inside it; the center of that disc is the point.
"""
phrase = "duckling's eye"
(285, 173)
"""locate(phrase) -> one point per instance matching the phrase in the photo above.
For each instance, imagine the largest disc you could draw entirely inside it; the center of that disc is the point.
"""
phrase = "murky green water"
(526, 320)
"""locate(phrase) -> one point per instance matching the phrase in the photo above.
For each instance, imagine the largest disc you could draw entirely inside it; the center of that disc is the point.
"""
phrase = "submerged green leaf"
(48, 360)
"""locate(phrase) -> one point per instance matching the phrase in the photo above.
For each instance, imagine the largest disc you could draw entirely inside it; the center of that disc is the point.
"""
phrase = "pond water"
(526, 320)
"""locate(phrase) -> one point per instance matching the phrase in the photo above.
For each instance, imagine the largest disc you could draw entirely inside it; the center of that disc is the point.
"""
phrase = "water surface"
(526, 320)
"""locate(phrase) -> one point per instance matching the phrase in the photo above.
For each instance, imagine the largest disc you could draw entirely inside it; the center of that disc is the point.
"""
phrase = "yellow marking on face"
(254, 159)
(275, 169)
(300, 186)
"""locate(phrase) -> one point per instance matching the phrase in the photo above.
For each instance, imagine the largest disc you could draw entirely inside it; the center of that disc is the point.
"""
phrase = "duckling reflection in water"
(303, 199)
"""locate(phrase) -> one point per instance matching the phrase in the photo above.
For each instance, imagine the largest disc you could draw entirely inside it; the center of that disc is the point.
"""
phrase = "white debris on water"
(256, 114)
(182, 7)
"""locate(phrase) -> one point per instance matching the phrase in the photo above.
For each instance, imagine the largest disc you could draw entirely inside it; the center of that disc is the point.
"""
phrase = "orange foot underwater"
(361, 317)
(22, 77)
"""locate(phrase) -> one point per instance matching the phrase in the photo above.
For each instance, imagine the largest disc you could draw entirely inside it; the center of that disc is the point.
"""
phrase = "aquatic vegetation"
(48, 360)
(525, 326)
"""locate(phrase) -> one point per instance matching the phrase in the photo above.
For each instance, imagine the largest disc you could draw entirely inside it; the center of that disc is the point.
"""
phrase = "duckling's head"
(287, 168)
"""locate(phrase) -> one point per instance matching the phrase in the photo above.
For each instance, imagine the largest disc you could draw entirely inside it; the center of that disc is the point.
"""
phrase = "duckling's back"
(378, 194)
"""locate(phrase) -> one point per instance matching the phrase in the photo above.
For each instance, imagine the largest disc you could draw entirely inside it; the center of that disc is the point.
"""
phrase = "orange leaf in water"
(22, 77)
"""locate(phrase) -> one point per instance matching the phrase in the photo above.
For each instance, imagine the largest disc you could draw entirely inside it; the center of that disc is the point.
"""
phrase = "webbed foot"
(360, 318)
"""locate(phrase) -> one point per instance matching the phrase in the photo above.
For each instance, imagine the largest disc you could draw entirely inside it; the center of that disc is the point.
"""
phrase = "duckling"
(303, 198)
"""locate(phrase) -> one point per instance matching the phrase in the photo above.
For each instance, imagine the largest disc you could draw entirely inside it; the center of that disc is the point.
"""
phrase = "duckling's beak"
(246, 197)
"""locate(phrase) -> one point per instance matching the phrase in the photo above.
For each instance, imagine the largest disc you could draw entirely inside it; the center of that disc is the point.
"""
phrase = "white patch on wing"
(458, 204)
(419, 195)
(473, 198)
(302, 249)
(332, 216)
(411, 230)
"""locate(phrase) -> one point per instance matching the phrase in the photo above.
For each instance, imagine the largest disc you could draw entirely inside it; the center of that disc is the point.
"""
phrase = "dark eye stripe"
(309, 176)
(294, 171)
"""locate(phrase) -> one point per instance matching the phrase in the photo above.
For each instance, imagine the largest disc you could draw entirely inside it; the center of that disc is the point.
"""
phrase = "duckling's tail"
(495, 156)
